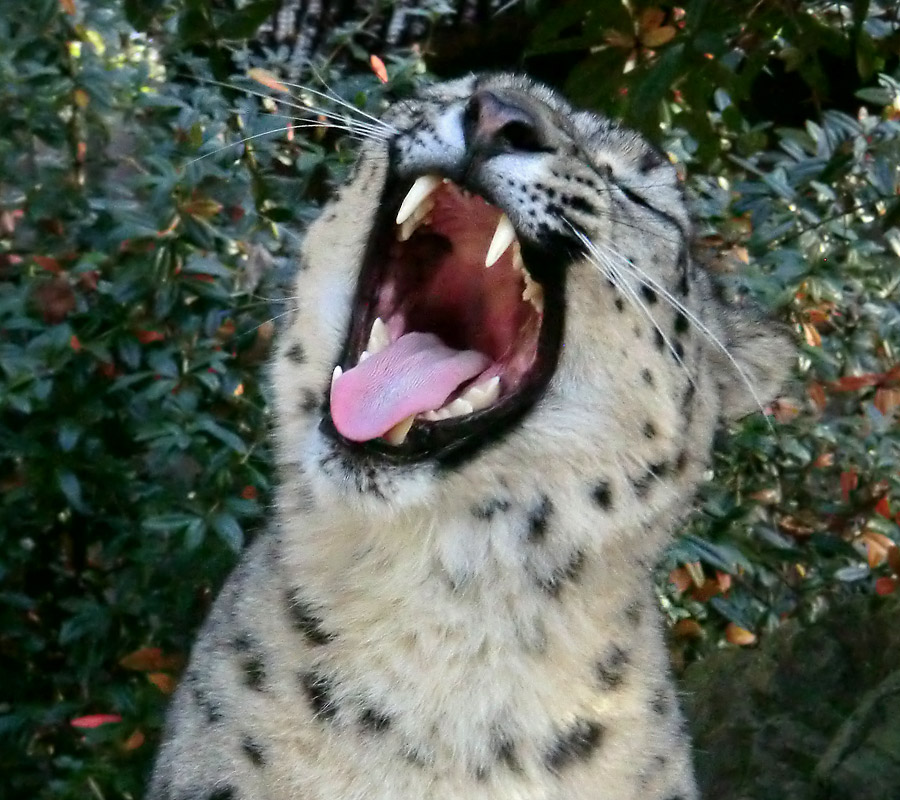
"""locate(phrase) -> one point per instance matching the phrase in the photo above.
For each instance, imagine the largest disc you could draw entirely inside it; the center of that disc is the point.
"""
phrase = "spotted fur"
(482, 627)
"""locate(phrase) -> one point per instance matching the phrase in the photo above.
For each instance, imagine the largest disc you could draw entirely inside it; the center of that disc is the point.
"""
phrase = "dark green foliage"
(139, 285)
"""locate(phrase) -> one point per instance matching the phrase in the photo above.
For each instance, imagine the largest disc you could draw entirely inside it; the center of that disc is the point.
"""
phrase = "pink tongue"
(416, 373)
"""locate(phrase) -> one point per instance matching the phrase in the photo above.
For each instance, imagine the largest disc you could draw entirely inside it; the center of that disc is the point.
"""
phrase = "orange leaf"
(824, 460)
(145, 337)
(134, 741)
(813, 339)
(378, 68)
(68, 6)
(877, 547)
(268, 80)
(74, 343)
(883, 508)
(850, 383)
(658, 36)
(94, 720)
(724, 580)
(680, 579)
(706, 592)
(688, 629)
(82, 98)
(893, 558)
(651, 18)
(47, 263)
(145, 659)
(849, 481)
(162, 681)
(885, 586)
(738, 635)
(816, 393)
(886, 399)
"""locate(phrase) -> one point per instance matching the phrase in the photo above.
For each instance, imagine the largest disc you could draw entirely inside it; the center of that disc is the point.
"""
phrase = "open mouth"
(451, 338)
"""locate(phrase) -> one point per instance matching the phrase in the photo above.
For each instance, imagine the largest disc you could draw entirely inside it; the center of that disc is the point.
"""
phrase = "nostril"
(492, 120)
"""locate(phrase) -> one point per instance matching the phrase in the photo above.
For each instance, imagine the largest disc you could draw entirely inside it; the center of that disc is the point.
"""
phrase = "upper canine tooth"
(335, 375)
(504, 236)
(423, 187)
(397, 434)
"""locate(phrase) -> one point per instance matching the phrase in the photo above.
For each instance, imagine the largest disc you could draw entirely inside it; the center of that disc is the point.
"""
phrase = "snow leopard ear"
(765, 353)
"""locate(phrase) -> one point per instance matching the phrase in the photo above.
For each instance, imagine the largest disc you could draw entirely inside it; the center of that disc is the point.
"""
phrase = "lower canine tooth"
(335, 375)
(397, 434)
(504, 236)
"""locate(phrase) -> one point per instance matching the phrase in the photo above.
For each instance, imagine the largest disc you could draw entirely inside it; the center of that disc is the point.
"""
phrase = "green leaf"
(229, 530)
(223, 435)
(71, 488)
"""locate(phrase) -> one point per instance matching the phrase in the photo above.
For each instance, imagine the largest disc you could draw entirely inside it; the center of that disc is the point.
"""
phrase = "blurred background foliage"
(145, 258)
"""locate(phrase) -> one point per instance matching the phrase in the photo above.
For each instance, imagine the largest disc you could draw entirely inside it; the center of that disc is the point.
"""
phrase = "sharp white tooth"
(482, 395)
(518, 264)
(397, 434)
(335, 375)
(379, 338)
(423, 187)
(459, 407)
(504, 236)
(363, 356)
(533, 293)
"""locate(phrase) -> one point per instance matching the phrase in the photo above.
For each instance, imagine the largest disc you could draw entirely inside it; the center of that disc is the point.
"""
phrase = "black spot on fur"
(489, 508)
(505, 750)
(554, 582)
(658, 339)
(676, 797)
(309, 401)
(647, 377)
(687, 404)
(602, 495)
(681, 323)
(253, 751)
(611, 668)
(642, 485)
(649, 160)
(318, 691)
(678, 351)
(305, 621)
(205, 703)
(660, 702)
(649, 430)
(373, 720)
(225, 793)
(634, 612)
(620, 305)
(578, 743)
(296, 353)
(649, 294)
(251, 662)
(579, 203)
(683, 287)
(539, 519)
(681, 461)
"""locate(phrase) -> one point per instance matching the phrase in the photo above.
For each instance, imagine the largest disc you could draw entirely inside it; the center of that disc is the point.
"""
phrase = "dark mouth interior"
(454, 330)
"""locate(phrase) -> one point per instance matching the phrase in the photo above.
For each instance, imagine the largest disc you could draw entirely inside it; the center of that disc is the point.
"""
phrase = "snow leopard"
(495, 401)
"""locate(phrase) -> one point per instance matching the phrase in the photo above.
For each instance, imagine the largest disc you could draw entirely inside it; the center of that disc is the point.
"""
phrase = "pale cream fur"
(445, 619)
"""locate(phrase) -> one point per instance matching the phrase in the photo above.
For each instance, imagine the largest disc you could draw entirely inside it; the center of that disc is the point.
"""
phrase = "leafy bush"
(141, 262)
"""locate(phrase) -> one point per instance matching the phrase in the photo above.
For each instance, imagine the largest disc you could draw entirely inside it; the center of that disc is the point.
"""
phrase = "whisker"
(342, 118)
(673, 301)
(336, 98)
(635, 300)
(283, 129)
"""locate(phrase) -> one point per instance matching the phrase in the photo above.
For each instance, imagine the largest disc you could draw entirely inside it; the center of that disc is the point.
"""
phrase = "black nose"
(495, 122)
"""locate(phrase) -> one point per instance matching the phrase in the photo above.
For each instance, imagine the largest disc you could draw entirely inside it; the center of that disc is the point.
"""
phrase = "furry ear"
(765, 353)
